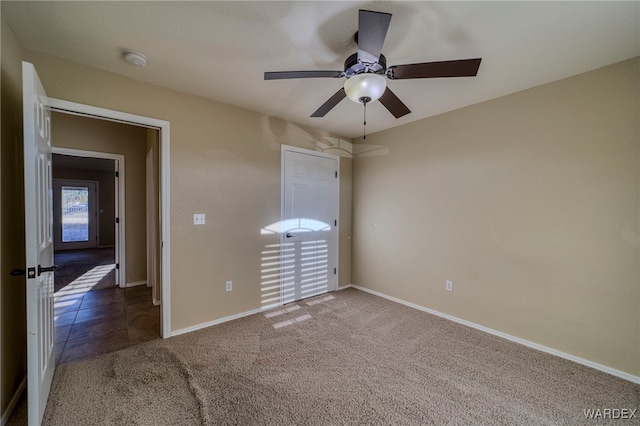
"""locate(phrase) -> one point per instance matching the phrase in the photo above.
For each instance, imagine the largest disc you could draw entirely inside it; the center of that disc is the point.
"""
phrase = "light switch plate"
(198, 219)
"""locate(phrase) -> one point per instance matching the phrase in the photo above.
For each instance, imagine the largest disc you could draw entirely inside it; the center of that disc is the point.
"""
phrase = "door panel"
(39, 244)
(309, 232)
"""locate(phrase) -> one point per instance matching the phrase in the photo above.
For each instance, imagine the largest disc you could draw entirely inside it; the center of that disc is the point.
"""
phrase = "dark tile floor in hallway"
(101, 321)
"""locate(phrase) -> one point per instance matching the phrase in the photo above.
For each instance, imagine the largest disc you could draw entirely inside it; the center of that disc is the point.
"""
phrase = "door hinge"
(117, 220)
(336, 174)
(117, 266)
(335, 271)
(117, 174)
(335, 222)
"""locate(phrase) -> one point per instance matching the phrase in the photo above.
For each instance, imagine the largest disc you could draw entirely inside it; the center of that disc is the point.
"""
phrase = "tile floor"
(100, 321)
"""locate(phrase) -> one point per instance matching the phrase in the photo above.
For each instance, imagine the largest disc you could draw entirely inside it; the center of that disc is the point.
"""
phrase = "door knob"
(289, 235)
(17, 272)
(46, 269)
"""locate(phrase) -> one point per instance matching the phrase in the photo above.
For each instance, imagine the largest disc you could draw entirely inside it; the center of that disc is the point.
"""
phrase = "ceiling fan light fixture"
(135, 58)
(365, 88)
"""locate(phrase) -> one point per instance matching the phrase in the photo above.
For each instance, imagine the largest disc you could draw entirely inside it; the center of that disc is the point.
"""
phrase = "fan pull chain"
(364, 124)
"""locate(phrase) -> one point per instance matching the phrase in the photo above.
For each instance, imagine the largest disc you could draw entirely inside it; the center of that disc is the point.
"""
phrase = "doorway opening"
(96, 309)
(162, 149)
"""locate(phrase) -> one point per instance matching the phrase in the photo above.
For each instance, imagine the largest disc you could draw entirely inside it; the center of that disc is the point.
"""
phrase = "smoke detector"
(135, 58)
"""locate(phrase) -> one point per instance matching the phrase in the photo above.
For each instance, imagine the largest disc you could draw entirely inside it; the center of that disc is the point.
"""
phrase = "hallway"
(102, 321)
(92, 315)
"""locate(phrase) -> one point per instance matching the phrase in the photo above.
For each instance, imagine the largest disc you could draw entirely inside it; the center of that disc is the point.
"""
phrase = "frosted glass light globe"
(366, 86)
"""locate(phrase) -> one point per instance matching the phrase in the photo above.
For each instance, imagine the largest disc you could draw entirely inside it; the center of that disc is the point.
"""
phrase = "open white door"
(309, 233)
(39, 243)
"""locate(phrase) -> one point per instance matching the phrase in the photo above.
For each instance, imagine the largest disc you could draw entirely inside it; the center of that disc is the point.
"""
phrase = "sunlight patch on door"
(295, 225)
(296, 268)
(281, 283)
(314, 273)
(277, 270)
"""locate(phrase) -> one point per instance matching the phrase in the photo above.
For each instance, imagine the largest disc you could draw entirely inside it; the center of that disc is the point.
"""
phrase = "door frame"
(120, 240)
(152, 225)
(164, 129)
(289, 148)
(92, 209)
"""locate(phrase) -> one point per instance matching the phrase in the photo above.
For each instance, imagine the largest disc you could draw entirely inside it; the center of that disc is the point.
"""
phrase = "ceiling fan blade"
(372, 30)
(459, 68)
(279, 75)
(393, 104)
(332, 102)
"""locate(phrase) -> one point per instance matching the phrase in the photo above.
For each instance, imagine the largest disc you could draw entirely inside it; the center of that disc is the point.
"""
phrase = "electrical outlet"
(449, 285)
(198, 219)
(229, 286)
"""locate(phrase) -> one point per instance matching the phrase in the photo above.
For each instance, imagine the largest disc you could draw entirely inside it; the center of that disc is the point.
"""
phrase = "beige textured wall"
(106, 198)
(225, 162)
(529, 203)
(13, 336)
(71, 131)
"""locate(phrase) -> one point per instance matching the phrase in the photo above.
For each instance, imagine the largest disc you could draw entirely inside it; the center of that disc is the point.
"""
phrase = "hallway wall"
(71, 131)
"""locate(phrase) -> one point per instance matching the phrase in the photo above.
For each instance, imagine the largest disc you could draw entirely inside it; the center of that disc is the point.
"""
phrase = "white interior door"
(39, 243)
(309, 234)
(75, 214)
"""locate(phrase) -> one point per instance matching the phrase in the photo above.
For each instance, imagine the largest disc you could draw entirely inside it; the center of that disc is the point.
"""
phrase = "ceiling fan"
(366, 70)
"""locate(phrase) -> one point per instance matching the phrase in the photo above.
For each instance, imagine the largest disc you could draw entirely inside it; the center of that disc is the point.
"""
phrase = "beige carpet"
(343, 358)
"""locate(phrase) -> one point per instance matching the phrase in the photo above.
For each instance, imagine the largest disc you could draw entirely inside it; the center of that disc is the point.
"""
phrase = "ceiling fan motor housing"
(354, 67)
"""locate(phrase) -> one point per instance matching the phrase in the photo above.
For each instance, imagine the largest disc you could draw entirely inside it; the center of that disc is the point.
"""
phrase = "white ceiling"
(220, 50)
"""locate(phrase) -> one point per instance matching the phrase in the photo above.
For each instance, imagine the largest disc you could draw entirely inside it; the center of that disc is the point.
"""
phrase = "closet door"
(309, 234)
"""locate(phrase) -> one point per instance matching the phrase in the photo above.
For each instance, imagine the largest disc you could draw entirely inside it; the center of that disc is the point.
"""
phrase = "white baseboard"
(135, 284)
(344, 287)
(232, 317)
(12, 404)
(215, 322)
(533, 345)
